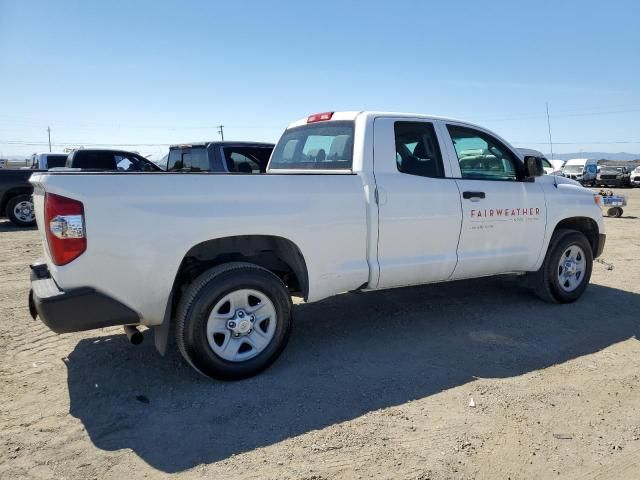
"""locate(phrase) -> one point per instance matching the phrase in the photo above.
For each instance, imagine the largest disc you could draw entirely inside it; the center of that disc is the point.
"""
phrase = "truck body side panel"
(140, 226)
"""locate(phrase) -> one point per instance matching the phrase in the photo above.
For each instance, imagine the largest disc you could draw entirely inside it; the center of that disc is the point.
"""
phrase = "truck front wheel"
(233, 321)
(566, 270)
(20, 211)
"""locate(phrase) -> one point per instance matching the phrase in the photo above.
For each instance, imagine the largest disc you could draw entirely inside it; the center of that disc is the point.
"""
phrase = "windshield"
(323, 146)
(574, 168)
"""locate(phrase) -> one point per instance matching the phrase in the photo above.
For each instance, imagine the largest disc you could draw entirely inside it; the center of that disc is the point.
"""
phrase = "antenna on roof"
(555, 183)
(549, 128)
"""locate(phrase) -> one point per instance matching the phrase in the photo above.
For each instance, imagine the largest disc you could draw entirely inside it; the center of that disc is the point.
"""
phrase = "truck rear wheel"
(20, 211)
(234, 321)
(566, 270)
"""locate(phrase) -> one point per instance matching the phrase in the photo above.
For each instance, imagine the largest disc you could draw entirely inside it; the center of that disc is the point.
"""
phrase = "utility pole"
(221, 132)
(49, 132)
(549, 127)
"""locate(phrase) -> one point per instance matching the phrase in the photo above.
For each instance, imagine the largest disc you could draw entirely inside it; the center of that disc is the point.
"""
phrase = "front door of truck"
(503, 223)
(418, 207)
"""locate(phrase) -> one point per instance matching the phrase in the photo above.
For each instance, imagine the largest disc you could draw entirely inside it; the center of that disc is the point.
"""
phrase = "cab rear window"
(55, 161)
(326, 146)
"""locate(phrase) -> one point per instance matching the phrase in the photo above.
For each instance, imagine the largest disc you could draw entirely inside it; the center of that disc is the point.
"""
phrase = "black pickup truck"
(15, 196)
(220, 157)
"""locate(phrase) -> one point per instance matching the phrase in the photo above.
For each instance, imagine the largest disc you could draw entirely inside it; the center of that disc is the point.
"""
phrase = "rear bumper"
(75, 309)
(601, 241)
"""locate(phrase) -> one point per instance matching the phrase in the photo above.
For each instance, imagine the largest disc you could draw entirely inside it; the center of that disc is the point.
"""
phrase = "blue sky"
(143, 72)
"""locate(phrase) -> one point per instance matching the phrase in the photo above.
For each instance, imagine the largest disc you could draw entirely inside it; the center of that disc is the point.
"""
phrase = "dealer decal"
(505, 213)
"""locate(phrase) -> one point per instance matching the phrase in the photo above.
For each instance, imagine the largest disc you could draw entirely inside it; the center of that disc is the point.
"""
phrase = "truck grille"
(608, 177)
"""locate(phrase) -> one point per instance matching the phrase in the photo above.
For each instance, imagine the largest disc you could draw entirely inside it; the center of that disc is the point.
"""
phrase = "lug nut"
(241, 314)
(252, 318)
(232, 324)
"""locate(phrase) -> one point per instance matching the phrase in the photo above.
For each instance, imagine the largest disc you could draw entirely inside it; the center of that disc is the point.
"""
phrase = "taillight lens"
(319, 117)
(64, 225)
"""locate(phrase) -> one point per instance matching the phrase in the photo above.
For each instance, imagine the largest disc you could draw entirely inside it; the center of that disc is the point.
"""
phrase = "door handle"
(470, 195)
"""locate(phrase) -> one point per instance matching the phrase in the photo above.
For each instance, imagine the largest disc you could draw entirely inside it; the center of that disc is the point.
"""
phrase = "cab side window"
(240, 163)
(417, 149)
(188, 159)
(482, 157)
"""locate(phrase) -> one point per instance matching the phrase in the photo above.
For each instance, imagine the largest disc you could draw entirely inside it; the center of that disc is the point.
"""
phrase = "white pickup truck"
(350, 201)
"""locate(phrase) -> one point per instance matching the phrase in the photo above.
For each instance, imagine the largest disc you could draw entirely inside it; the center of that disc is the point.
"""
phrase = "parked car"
(15, 197)
(47, 160)
(220, 157)
(15, 189)
(350, 201)
(635, 177)
(583, 170)
(613, 176)
(111, 160)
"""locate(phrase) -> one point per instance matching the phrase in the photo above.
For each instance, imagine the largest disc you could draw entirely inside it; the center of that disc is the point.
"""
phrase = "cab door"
(503, 215)
(419, 214)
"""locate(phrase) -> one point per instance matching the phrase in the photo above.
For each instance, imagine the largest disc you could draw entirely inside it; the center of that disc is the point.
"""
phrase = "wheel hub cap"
(24, 211)
(571, 268)
(241, 323)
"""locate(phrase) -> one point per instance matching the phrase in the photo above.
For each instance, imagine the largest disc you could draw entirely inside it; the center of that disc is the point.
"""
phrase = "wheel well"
(277, 254)
(585, 225)
(9, 194)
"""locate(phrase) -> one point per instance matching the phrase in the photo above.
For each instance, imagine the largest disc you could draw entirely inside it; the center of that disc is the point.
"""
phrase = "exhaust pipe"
(133, 334)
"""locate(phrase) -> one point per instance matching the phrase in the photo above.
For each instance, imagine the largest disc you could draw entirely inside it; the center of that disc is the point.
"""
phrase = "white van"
(584, 170)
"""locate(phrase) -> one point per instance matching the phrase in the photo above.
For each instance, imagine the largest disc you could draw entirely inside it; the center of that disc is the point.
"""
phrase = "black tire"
(545, 281)
(615, 212)
(202, 295)
(11, 214)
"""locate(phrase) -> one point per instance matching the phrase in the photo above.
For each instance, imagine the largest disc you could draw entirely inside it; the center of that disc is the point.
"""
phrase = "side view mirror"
(533, 167)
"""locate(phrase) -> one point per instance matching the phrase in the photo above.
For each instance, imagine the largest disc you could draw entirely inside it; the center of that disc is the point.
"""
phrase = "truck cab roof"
(353, 115)
(215, 143)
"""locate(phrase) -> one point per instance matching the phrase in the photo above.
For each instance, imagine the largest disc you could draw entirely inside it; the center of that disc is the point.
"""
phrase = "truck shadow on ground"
(7, 226)
(348, 355)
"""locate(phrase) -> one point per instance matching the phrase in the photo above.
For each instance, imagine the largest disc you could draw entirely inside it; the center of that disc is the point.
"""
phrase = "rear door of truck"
(419, 207)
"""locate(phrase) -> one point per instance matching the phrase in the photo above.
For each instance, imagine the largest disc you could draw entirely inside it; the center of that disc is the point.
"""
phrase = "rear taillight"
(319, 117)
(64, 225)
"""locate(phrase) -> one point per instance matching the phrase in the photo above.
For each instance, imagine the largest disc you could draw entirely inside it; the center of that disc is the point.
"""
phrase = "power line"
(594, 111)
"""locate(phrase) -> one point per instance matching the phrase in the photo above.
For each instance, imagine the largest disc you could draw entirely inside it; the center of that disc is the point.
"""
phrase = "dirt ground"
(374, 385)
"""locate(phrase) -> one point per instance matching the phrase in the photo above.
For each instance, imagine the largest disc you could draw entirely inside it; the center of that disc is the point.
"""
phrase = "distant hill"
(619, 157)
